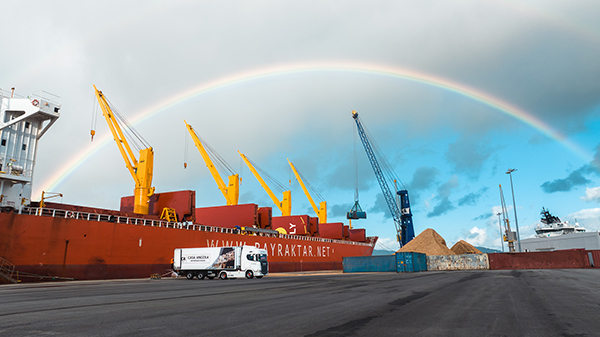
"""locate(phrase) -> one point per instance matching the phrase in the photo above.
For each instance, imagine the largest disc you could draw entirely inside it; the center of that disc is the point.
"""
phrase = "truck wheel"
(201, 276)
(189, 275)
(223, 276)
(249, 274)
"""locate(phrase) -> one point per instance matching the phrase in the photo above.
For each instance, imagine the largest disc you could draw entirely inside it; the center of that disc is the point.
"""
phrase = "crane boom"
(401, 214)
(285, 205)
(231, 192)
(321, 211)
(141, 170)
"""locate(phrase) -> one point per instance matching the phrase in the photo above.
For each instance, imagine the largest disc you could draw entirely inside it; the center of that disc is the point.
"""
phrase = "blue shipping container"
(404, 262)
(419, 262)
(361, 264)
(407, 262)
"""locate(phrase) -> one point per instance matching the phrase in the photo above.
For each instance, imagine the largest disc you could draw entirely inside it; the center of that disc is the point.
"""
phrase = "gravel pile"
(429, 242)
(463, 247)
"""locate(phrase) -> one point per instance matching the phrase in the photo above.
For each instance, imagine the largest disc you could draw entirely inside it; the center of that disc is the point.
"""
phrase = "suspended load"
(356, 212)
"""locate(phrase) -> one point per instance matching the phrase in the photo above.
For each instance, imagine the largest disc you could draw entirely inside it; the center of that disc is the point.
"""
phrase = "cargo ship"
(54, 240)
(553, 234)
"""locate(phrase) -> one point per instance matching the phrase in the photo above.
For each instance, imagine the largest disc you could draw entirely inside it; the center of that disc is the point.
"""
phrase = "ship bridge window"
(26, 125)
(3, 142)
(24, 147)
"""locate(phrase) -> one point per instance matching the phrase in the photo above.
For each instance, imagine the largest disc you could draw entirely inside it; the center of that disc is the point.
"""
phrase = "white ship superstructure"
(552, 226)
(554, 234)
(23, 121)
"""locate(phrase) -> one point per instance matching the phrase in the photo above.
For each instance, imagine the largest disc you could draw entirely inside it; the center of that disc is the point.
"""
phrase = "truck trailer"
(222, 262)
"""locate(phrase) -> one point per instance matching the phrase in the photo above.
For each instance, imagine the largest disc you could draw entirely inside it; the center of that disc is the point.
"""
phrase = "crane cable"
(185, 150)
(384, 164)
(95, 108)
(269, 179)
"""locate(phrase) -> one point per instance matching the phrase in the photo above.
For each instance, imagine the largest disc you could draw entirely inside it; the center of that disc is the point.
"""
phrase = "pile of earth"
(463, 247)
(429, 242)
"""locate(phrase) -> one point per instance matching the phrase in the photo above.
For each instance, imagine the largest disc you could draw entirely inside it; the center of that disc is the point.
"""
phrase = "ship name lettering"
(287, 250)
(328, 251)
(318, 251)
(279, 248)
(310, 250)
(292, 226)
(257, 245)
(304, 252)
(293, 250)
(273, 249)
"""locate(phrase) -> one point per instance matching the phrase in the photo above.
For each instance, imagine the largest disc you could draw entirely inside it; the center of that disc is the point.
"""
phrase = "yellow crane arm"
(285, 206)
(141, 170)
(321, 211)
(231, 192)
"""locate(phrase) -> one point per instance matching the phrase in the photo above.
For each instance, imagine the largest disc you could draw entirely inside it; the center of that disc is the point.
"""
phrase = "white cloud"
(387, 244)
(588, 218)
(477, 236)
(591, 194)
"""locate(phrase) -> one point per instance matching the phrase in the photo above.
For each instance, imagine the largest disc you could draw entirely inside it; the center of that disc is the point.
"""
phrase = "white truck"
(222, 262)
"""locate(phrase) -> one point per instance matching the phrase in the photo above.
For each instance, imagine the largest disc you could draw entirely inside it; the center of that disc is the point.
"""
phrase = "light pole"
(501, 237)
(509, 172)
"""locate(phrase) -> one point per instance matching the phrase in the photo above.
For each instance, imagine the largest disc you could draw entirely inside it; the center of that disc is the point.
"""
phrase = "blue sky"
(450, 151)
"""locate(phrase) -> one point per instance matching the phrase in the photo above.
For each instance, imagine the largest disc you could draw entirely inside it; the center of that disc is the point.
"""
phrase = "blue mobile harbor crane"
(400, 210)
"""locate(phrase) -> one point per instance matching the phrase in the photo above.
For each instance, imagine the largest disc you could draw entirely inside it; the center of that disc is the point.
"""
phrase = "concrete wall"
(458, 262)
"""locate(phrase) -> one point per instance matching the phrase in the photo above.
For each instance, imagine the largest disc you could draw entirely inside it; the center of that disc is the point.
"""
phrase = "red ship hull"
(79, 246)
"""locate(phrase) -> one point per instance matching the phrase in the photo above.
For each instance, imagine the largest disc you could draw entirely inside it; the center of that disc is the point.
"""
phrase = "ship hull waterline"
(87, 250)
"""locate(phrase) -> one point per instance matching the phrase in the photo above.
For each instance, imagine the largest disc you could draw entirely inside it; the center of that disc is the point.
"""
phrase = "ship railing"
(73, 214)
(9, 93)
(46, 96)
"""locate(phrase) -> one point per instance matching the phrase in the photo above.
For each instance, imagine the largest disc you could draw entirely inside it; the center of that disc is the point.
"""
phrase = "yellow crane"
(321, 211)
(141, 170)
(231, 192)
(285, 205)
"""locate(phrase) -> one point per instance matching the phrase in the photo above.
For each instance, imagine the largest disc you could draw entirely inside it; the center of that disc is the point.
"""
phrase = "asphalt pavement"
(460, 303)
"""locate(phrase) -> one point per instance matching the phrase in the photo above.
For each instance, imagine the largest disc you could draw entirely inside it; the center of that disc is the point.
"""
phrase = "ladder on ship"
(7, 270)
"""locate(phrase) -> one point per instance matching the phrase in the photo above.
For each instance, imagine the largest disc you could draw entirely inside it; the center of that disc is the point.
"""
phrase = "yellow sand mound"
(463, 247)
(429, 242)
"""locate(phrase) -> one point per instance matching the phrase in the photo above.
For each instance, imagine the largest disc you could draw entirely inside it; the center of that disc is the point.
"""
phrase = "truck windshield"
(262, 257)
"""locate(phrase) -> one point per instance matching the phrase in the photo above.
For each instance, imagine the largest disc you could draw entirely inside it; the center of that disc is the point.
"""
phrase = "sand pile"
(463, 247)
(429, 242)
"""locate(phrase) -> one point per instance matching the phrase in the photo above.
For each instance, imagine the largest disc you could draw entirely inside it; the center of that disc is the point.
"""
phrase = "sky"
(454, 93)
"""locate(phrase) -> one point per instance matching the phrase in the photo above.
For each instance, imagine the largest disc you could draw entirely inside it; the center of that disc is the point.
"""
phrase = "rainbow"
(319, 67)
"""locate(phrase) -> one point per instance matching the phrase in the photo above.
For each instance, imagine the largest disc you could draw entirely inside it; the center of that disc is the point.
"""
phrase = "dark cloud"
(380, 206)
(472, 198)
(443, 207)
(339, 210)
(575, 178)
(482, 217)
(446, 188)
(423, 178)
(468, 154)
(444, 191)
